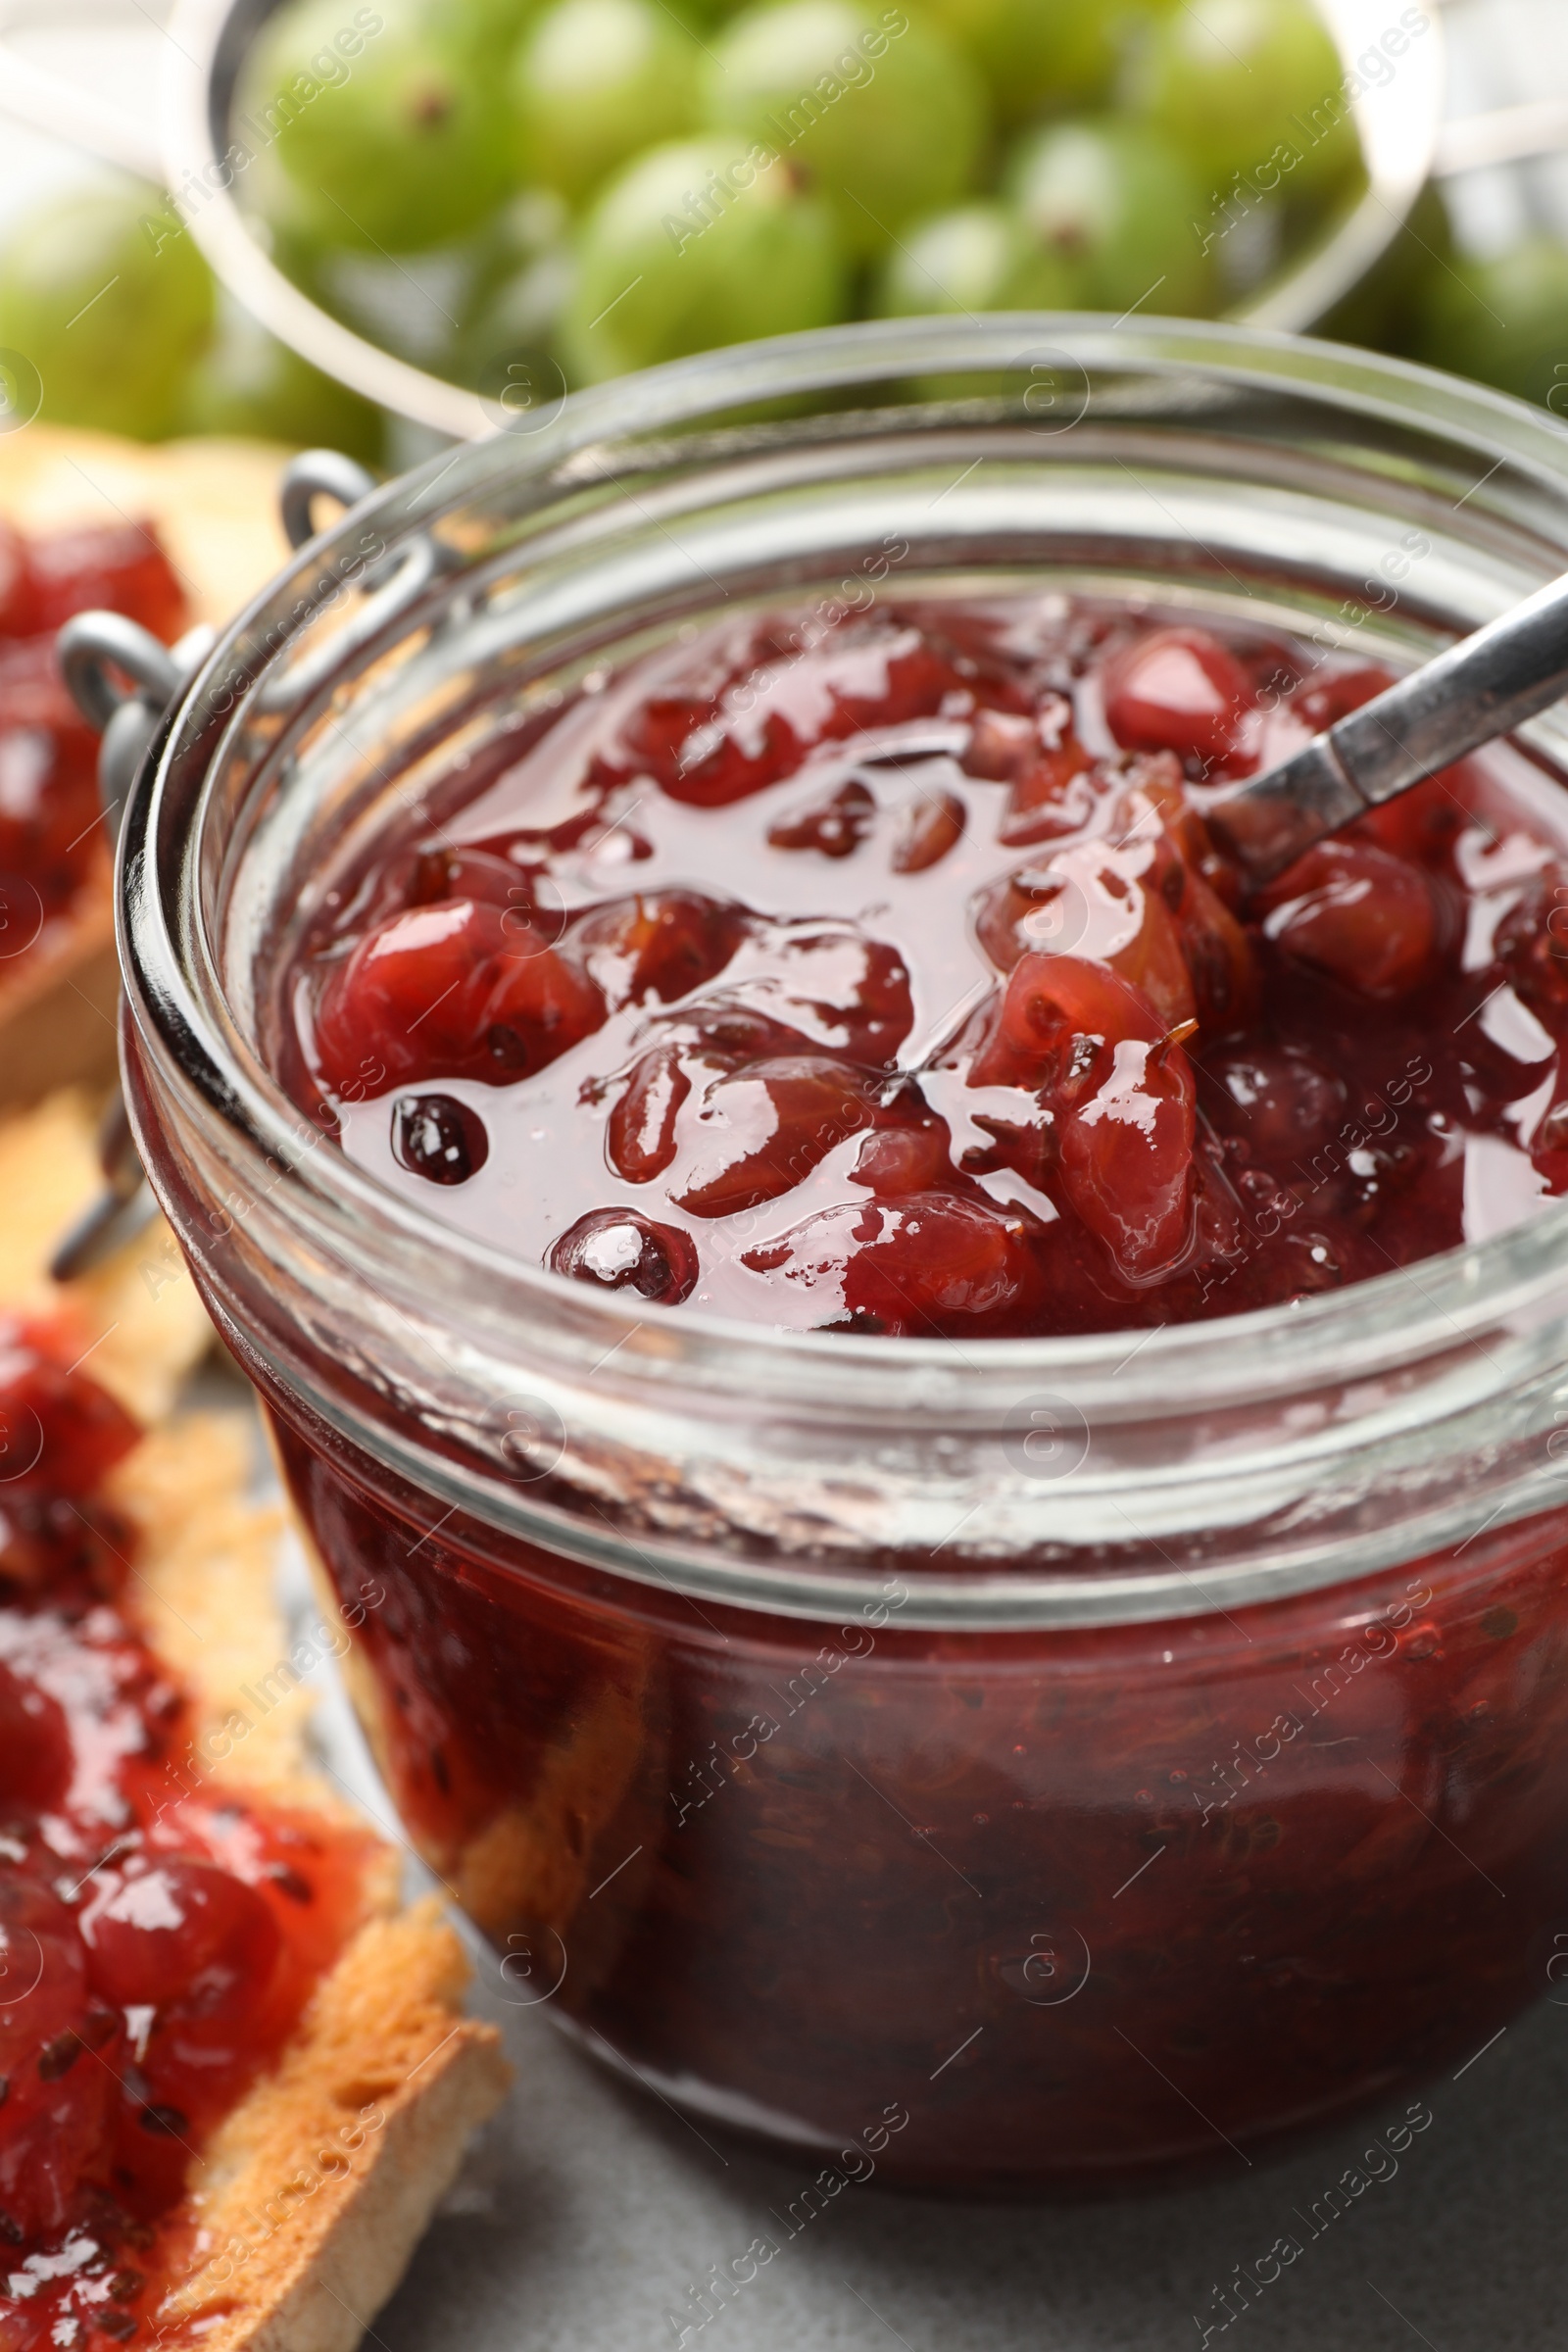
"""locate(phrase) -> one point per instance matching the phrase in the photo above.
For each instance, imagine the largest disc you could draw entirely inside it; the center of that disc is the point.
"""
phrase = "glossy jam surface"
(1088, 1907)
(158, 1937)
(883, 977)
(51, 840)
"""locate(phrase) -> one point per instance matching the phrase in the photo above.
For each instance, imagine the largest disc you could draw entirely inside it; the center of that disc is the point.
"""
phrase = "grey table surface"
(586, 2213)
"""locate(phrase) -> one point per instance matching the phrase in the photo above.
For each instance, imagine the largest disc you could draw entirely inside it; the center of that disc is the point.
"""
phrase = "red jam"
(52, 841)
(885, 978)
(1092, 1907)
(158, 1937)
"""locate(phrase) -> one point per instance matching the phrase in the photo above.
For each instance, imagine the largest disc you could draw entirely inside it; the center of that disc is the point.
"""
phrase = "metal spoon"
(1484, 687)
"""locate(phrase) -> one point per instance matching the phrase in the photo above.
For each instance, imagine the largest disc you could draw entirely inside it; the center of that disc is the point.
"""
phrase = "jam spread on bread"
(160, 1934)
(879, 974)
(53, 841)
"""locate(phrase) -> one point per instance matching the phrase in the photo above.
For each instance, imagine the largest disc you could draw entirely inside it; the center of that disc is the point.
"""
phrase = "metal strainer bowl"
(1398, 113)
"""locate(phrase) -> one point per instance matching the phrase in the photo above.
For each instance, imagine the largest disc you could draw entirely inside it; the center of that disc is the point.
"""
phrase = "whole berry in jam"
(460, 985)
(640, 1141)
(1532, 942)
(1121, 1093)
(538, 1005)
(1280, 1102)
(758, 1131)
(1177, 690)
(661, 943)
(1366, 918)
(181, 1935)
(439, 1138)
(35, 1760)
(55, 2126)
(921, 1266)
(58, 1433)
(834, 826)
(412, 993)
(620, 1250)
(897, 1159)
(1050, 778)
(931, 825)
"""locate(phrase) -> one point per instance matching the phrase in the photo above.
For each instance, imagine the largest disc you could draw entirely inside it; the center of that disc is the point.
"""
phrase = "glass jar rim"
(1488, 1316)
(1453, 1294)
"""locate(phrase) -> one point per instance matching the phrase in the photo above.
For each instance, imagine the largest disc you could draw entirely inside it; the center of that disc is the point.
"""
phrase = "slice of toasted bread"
(310, 2198)
(58, 1009)
(214, 507)
(302, 2208)
(214, 503)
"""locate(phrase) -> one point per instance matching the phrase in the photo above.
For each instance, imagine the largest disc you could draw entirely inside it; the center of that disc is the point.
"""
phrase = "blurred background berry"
(545, 193)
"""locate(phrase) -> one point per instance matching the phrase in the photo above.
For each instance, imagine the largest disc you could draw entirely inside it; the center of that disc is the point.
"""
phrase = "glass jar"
(997, 1766)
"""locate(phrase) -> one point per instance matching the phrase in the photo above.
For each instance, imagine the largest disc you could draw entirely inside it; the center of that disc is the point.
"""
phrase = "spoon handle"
(1481, 688)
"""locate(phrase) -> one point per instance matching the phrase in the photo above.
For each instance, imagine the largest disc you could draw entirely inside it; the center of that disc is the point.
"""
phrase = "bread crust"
(302, 2212)
(58, 1009)
(213, 502)
(313, 2192)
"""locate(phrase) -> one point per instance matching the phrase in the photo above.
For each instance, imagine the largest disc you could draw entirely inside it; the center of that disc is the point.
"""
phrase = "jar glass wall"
(1083, 1906)
(1093, 1755)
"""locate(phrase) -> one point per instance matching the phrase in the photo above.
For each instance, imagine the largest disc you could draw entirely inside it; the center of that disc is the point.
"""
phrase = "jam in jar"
(882, 980)
(997, 1913)
(159, 1936)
